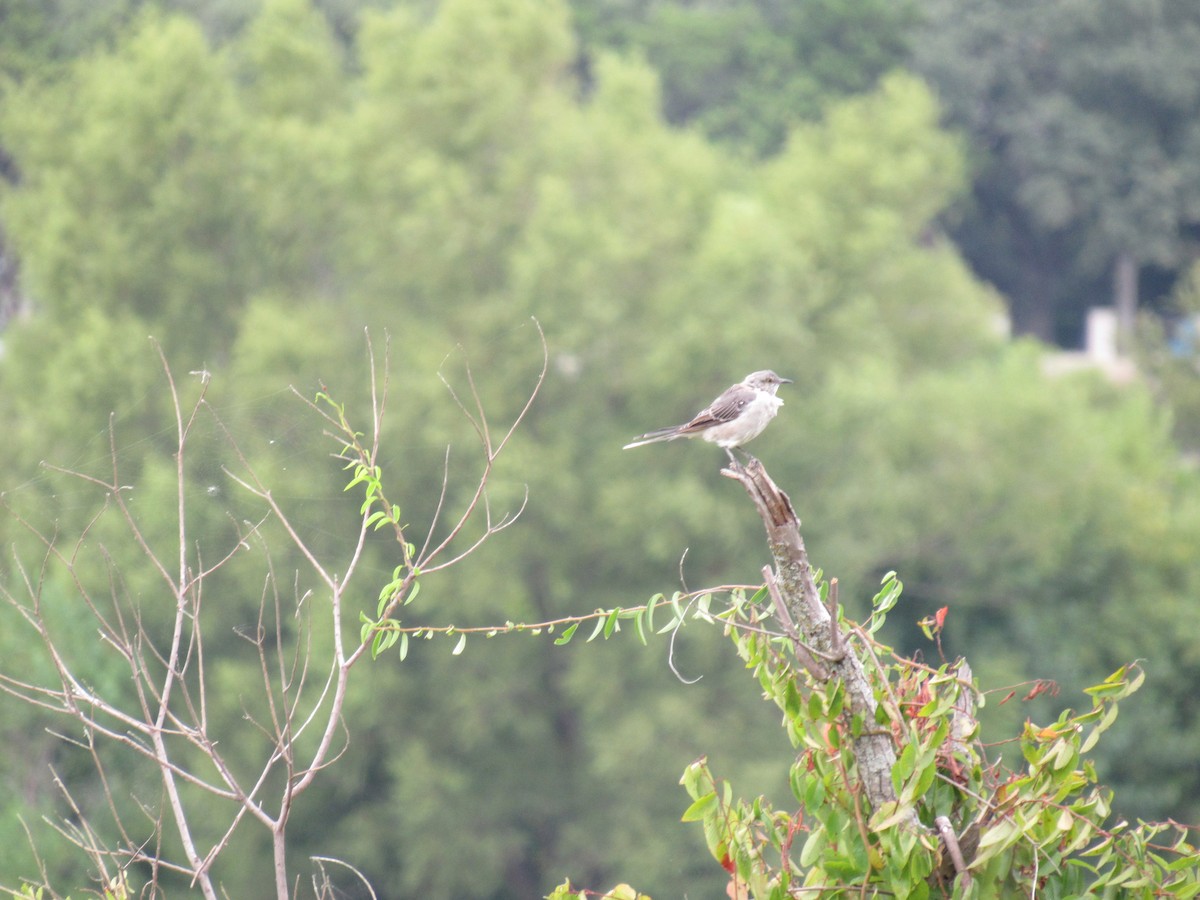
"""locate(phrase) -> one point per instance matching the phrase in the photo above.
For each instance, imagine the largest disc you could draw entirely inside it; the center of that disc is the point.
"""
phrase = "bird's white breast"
(748, 425)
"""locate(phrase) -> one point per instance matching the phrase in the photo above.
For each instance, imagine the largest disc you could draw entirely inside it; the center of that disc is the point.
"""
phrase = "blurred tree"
(747, 72)
(38, 35)
(137, 201)
(1037, 509)
(291, 64)
(1169, 355)
(1084, 125)
(256, 207)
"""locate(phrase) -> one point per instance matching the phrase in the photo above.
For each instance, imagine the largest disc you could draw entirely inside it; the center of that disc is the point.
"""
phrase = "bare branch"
(801, 597)
(491, 452)
(950, 841)
(437, 511)
(325, 887)
(166, 720)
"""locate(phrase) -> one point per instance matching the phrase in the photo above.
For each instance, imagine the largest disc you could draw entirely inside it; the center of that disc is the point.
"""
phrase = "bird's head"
(766, 380)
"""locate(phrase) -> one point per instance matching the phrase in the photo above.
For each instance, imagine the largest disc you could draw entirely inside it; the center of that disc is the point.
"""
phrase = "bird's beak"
(786, 381)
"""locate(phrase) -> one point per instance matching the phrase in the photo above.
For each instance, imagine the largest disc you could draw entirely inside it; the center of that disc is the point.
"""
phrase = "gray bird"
(735, 418)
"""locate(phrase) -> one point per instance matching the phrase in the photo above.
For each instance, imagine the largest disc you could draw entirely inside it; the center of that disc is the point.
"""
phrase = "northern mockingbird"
(736, 417)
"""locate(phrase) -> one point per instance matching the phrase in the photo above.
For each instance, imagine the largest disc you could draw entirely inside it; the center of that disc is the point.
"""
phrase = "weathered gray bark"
(795, 585)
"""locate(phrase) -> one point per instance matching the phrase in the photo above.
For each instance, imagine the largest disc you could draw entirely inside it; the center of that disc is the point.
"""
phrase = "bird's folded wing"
(724, 409)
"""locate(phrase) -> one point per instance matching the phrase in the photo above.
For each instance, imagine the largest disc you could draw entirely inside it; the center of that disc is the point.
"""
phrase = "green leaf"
(460, 646)
(925, 778)
(883, 601)
(814, 793)
(815, 706)
(813, 847)
(612, 623)
(836, 700)
(995, 839)
(700, 808)
(1063, 756)
(903, 767)
(696, 777)
(650, 607)
(639, 628)
(568, 633)
(368, 625)
(796, 781)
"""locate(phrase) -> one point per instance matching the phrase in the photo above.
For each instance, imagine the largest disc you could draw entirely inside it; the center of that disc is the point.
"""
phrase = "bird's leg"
(737, 463)
(745, 458)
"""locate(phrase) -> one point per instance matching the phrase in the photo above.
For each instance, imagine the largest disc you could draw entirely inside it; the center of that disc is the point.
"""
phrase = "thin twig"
(321, 860)
(671, 645)
(781, 610)
(946, 831)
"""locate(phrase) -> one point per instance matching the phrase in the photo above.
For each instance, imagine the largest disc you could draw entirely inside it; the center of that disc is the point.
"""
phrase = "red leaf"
(1040, 687)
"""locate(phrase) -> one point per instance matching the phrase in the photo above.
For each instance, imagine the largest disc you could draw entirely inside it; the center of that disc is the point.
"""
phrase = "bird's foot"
(738, 462)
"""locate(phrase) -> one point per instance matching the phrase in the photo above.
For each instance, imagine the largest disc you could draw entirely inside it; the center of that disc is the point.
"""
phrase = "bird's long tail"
(653, 437)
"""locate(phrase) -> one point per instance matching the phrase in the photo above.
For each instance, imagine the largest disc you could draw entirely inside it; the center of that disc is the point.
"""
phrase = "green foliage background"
(255, 197)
